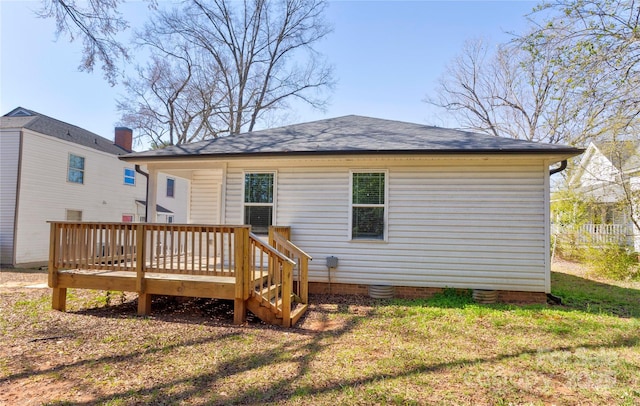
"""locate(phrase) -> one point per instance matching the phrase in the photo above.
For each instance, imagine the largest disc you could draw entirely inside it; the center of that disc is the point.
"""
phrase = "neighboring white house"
(608, 172)
(51, 170)
(407, 205)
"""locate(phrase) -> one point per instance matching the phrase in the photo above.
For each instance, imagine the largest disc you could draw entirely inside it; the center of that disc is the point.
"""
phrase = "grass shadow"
(595, 297)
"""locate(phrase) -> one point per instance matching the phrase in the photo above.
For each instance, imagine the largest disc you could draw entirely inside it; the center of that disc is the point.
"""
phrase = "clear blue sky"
(387, 55)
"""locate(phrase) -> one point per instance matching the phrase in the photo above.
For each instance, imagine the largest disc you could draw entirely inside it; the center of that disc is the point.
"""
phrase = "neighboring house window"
(171, 185)
(127, 218)
(143, 219)
(76, 169)
(259, 201)
(73, 215)
(129, 176)
(368, 205)
(169, 219)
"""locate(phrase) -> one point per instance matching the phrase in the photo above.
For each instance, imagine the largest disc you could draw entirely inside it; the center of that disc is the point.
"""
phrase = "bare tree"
(97, 23)
(596, 48)
(173, 99)
(515, 91)
(259, 53)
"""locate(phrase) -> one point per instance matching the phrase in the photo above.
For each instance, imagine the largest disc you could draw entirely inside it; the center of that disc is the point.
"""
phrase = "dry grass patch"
(346, 350)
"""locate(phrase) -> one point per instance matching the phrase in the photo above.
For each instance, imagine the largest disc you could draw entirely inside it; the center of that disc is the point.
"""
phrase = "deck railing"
(280, 241)
(160, 248)
(93, 246)
(272, 278)
(189, 249)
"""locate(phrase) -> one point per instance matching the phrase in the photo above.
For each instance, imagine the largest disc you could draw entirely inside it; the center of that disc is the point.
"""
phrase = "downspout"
(562, 167)
(551, 298)
(146, 193)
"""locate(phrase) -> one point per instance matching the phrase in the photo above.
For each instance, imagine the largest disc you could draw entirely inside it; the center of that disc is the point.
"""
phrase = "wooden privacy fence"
(225, 262)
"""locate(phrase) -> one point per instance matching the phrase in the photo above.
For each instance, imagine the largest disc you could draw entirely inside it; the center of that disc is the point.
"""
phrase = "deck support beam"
(59, 299)
(144, 304)
(239, 311)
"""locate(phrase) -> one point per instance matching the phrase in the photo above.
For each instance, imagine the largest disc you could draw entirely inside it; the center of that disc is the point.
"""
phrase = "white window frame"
(385, 206)
(130, 177)
(66, 214)
(173, 195)
(275, 194)
(83, 170)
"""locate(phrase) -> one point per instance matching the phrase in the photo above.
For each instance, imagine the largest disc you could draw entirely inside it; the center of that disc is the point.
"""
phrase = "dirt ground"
(19, 279)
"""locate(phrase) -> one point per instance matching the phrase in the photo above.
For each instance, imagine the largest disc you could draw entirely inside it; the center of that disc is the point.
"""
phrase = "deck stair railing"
(280, 283)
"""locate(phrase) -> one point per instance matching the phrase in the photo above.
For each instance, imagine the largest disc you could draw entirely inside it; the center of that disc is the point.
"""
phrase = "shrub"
(613, 261)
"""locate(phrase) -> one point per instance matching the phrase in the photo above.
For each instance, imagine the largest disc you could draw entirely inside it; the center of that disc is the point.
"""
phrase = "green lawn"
(347, 350)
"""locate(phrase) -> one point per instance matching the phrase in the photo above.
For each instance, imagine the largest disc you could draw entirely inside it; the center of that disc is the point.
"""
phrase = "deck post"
(59, 299)
(303, 282)
(144, 299)
(59, 295)
(242, 268)
(284, 231)
(53, 253)
(287, 289)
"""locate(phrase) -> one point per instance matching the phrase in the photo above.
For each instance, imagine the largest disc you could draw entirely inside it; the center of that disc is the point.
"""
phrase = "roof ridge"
(68, 132)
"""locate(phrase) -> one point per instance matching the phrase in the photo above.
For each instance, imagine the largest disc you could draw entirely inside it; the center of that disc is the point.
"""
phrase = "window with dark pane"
(258, 201)
(171, 187)
(75, 173)
(129, 177)
(368, 205)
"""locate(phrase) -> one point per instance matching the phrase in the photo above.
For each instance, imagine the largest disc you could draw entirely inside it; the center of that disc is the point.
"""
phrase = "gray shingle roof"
(31, 120)
(353, 135)
(159, 209)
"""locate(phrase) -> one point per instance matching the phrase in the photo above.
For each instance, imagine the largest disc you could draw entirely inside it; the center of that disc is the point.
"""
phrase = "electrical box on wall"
(332, 262)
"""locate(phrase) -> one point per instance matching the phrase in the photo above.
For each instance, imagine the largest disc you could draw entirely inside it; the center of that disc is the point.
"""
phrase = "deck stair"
(283, 298)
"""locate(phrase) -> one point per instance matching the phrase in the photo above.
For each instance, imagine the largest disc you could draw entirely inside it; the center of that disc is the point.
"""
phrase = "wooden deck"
(182, 260)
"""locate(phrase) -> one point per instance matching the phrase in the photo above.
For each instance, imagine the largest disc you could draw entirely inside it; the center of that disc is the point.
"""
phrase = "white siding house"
(609, 174)
(52, 170)
(399, 204)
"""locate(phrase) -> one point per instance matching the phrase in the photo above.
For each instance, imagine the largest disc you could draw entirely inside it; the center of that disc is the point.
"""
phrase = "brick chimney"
(124, 138)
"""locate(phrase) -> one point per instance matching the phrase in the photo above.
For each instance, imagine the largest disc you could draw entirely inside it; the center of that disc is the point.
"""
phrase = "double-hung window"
(129, 176)
(259, 201)
(368, 205)
(75, 172)
(171, 187)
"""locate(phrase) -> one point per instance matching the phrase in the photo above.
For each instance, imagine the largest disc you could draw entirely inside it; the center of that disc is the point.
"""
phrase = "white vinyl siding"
(9, 160)
(45, 193)
(458, 222)
(206, 188)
